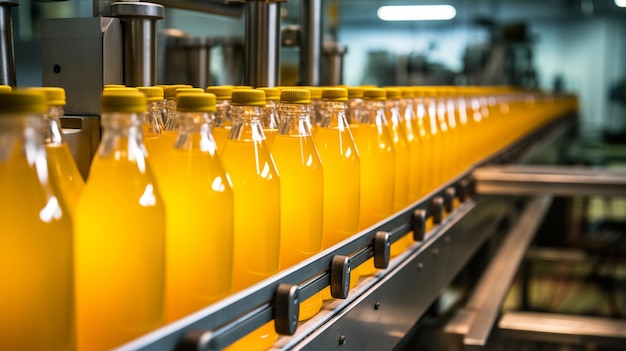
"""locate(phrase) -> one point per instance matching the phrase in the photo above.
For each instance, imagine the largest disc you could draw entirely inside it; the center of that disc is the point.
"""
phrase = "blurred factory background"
(573, 45)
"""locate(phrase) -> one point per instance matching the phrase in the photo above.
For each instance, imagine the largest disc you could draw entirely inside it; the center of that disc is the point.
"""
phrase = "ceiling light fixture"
(620, 3)
(419, 12)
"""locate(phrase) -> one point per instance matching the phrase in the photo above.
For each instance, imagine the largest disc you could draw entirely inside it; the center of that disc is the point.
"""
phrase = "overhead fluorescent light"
(620, 3)
(418, 12)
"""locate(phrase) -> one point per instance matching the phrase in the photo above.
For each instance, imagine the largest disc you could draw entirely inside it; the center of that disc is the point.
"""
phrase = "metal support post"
(7, 57)
(262, 43)
(139, 39)
(310, 42)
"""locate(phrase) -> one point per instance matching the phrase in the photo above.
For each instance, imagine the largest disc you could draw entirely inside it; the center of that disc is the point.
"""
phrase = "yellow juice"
(64, 175)
(36, 299)
(150, 141)
(257, 228)
(270, 135)
(220, 134)
(119, 252)
(159, 157)
(422, 133)
(199, 203)
(256, 189)
(301, 204)
(397, 131)
(342, 166)
(377, 178)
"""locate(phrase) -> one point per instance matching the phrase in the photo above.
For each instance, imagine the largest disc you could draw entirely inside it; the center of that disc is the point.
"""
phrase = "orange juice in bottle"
(199, 218)
(342, 165)
(64, 174)
(223, 121)
(37, 297)
(153, 125)
(409, 118)
(256, 189)
(271, 118)
(398, 132)
(301, 187)
(119, 234)
(159, 158)
(378, 156)
(422, 131)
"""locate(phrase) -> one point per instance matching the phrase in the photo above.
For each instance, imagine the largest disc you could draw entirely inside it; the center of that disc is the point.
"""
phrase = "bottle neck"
(246, 123)
(154, 122)
(355, 105)
(392, 108)
(195, 132)
(271, 117)
(52, 131)
(334, 114)
(20, 135)
(223, 114)
(122, 135)
(373, 112)
(295, 119)
(171, 118)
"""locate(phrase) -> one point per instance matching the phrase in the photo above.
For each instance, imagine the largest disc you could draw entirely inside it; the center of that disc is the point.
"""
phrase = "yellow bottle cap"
(114, 86)
(189, 90)
(407, 92)
(271, 93)
(193, 102)
(169, 91)
(120, 90)
(393, 93)
(55, 96)
(248, 97)
(295, 96)
(335, 94)
(5, 89)
(152, 93)
(374, 94)
(123, 101)
(243, 87)
(23, 101)
(316, 92)
(355, 92)
(222, 92)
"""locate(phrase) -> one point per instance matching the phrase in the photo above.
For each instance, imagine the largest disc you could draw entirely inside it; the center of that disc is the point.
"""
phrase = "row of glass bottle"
(401, 142)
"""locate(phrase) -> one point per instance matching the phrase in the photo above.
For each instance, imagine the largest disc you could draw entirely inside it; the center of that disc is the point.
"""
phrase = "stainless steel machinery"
(499, 197)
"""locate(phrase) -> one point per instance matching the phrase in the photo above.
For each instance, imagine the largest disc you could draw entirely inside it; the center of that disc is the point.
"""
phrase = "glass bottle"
(256, 189)
(301, 187)
(199, 200)
(342, 166)
(64, 174)
(120, 233)
(271, 117)
(153, 124)
(223, 121)
(378, 158)
(37, 296)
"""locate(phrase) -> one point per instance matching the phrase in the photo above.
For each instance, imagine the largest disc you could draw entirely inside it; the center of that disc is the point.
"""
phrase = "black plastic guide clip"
(340, 277)
(437, 209)
(419, 224)
(287, 309)
(448, 199)
(382, 245)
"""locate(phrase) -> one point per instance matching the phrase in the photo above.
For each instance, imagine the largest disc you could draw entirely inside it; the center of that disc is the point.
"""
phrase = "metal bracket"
(382, 246)
(419, 224)
(462, 190)
(196, 340)
(448, 199)
(437, 209)
(286, 309)
(340, 277)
